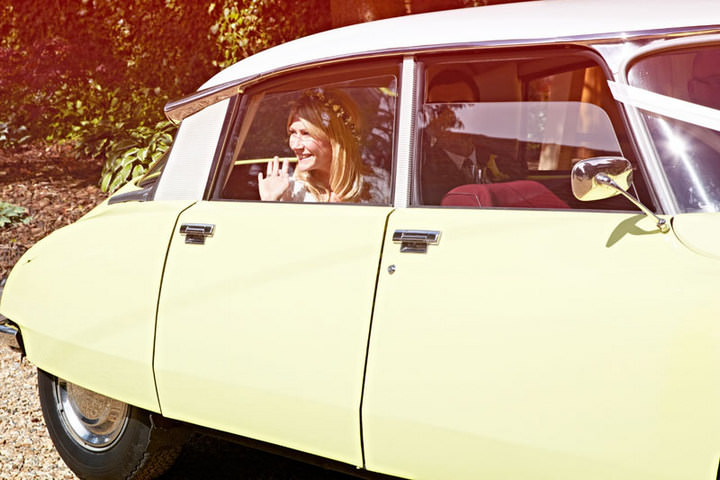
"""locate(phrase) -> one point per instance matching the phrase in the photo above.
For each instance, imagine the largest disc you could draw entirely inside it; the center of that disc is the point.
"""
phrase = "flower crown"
(336, 108)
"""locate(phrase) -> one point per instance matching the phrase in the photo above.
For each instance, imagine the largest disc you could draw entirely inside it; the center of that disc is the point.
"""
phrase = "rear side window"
(505, 132)
(355, 104)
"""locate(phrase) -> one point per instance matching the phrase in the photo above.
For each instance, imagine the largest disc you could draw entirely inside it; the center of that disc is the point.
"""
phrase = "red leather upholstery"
(518, 194)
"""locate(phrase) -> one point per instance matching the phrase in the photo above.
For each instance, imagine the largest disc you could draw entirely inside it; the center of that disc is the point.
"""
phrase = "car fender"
(85, 297)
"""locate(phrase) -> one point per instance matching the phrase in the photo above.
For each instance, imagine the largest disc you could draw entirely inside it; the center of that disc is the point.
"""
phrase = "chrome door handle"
(195, 233)
(415, 241)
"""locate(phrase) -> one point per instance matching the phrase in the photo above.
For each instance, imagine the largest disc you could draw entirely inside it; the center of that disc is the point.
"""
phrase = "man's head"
(452, 86)
(448, 87)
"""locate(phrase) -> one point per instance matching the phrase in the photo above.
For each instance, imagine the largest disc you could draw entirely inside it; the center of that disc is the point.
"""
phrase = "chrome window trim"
(668, 203)
(405, 133)
(671, 44)
(177, 110)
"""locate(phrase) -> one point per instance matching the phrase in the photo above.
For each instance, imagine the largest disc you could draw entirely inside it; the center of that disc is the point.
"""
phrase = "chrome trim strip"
(9, 334)
(177, 110)
(405, 133)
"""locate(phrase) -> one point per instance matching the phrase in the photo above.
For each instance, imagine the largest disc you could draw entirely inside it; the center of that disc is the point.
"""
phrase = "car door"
(519, 334)
(265, 309)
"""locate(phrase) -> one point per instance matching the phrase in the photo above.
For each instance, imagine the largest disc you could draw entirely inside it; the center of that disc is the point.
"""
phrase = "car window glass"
(360, 101)
(687, 146)
(505, 132)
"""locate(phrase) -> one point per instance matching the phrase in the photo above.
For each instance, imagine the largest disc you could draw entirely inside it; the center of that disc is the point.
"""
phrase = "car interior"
(260, 132)
(530, 116)
(530, 119)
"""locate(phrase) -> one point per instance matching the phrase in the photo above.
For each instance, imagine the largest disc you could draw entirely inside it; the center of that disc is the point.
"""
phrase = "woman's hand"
(277, 181)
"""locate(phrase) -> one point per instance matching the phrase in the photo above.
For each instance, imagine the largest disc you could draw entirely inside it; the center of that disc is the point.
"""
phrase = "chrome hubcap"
(93, 420)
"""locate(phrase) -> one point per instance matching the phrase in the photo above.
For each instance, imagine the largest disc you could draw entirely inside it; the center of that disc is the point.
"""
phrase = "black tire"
(100, 438)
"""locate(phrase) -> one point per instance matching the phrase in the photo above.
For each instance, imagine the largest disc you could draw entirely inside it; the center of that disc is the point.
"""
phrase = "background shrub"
(97, 73)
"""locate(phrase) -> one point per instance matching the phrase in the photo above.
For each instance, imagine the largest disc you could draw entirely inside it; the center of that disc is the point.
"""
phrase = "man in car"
(450, 157)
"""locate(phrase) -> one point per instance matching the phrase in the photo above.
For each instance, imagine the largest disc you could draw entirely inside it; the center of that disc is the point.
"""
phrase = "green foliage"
(131, 154)
(247, 27)
(97, 73)
(12, 135)
(11, 214)
(72, 70)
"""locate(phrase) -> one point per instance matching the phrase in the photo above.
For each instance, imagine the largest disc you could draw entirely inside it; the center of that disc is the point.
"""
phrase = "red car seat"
(518, 194)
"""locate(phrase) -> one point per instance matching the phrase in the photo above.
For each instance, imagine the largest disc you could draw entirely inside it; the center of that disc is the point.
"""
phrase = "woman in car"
(324, 135)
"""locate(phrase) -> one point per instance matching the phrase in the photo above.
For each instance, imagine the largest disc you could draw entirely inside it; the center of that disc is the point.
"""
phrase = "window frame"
(622, 126)
(307, 77)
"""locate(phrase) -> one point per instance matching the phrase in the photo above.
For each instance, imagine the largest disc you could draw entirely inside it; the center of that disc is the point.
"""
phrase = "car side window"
(327, 136)
(505, 132)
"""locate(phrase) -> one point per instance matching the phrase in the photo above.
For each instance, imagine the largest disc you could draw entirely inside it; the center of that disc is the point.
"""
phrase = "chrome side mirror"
(604, 177)
(586, 185)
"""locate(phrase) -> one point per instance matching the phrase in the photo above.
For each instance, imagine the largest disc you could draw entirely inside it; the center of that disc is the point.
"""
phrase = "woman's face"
(313, 154)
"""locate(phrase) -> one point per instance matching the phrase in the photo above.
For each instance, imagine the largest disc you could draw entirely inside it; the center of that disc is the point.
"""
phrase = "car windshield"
(678, 94)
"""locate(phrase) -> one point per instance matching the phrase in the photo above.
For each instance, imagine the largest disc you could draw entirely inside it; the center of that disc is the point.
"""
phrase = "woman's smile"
(312, 153)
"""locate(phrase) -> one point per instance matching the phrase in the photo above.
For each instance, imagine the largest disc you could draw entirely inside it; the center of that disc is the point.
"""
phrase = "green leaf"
(105, 181)
(10, 214)
(137, 171)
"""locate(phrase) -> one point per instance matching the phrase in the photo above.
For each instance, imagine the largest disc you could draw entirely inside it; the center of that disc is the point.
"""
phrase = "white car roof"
(527, 21)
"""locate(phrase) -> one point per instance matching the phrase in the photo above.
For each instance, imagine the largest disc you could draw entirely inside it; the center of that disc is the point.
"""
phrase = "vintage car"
(553, 316)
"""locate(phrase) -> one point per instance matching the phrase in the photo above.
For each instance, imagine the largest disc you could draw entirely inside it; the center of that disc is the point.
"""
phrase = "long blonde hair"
(331, 115)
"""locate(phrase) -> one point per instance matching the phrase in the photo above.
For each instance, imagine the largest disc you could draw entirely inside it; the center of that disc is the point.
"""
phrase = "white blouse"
(379, 181)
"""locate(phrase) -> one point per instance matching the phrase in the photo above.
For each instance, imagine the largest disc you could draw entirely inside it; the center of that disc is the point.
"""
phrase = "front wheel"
(102, 438)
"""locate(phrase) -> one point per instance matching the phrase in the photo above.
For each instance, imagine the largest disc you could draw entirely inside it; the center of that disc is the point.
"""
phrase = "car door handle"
(195, 233)
(415, 241)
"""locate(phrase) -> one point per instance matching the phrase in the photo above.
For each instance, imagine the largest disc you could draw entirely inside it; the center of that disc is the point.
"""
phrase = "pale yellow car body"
(607, 365)
(531, 376)
(570, 380)
(95, 322)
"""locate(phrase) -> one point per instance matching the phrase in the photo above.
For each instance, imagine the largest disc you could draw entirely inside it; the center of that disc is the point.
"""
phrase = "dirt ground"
(57, 189)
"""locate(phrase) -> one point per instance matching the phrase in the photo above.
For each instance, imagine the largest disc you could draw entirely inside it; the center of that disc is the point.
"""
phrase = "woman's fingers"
(273, 167)
(275, 181)
(285, 166)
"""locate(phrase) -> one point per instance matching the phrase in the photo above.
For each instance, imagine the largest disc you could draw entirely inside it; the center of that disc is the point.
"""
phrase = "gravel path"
(26, 451)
